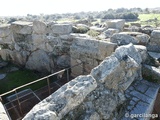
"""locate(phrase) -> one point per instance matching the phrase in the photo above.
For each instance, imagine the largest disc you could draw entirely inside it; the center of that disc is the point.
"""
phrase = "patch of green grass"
(145, 17)
(150, 19)
(18, 78)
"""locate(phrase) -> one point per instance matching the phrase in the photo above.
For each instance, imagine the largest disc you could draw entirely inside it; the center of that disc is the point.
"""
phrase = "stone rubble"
(113, 68)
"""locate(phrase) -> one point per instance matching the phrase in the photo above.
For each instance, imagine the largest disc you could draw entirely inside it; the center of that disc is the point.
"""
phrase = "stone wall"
(89, 51)
(99, 95)
(36, 45)
(47, 46)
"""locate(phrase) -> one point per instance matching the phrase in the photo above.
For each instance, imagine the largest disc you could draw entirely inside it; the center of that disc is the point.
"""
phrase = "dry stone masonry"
(114, 68)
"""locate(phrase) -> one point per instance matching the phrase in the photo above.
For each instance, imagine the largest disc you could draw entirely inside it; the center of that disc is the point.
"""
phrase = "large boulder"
(117, 24)
(124, 38)
(40, 61)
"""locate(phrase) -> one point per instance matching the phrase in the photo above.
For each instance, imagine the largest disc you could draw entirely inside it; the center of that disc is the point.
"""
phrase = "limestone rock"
(83, 48)
(128, 50)
(154, 44)
(6, 40)
(155, 34)
(117, 24)
(40, 61)
(99, 29)
(125, 38)
(38, 39)
(22, 27)
(63, 100)
(63, 61)
(39, 27)
(151, 73)
(5, 54)
(109, 32)
(4, 30)
(119, 70)
(154, 55)
(143, 52)
(19, 57)
(61, 28)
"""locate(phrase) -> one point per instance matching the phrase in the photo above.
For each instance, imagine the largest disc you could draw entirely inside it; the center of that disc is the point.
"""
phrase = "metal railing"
(38, 80)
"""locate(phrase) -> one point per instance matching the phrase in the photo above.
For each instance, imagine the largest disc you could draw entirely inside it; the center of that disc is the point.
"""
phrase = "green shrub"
(93, 33)
(80, 29)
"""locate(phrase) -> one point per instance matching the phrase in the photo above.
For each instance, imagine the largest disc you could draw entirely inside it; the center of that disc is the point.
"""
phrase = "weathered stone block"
(119, 70)
(155, 34)
(143, 52)
(61, 28)
(151, 73)
(90, 48)
(63, 100)
(22, 27)
(118, 24)
(77, 70)
(5, 30)
(38, 39)
(39, 27)
(40, 61)
(125, 38)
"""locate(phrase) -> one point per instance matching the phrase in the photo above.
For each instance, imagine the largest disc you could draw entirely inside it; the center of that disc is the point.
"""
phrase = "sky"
(36, 7)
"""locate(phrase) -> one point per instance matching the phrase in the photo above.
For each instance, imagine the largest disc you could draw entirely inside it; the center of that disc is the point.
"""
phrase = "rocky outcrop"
(124, 38)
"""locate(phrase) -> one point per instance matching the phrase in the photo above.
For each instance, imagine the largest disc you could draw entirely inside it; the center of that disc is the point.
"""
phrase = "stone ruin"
(115, 68)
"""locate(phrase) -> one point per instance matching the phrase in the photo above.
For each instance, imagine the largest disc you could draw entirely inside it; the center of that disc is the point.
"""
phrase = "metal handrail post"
(19, 104)
(49, 90)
